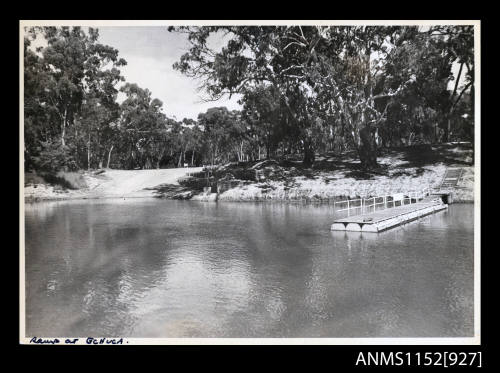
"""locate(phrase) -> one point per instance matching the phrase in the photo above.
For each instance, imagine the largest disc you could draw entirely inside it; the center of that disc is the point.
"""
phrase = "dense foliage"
(303, 90)
(309, 89)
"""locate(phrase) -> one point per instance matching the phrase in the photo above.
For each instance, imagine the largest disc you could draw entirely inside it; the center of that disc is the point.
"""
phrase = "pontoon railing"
(365, 205)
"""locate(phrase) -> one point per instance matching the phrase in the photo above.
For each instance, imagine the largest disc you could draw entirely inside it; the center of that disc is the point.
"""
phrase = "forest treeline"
(303, 90)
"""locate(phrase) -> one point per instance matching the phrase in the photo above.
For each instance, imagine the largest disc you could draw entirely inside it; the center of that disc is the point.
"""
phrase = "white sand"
(114, 184)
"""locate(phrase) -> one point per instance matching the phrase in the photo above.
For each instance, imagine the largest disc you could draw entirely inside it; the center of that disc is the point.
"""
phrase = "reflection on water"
(155, 268)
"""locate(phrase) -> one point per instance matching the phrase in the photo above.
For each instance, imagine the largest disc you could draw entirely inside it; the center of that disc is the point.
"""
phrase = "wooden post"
(348, 211)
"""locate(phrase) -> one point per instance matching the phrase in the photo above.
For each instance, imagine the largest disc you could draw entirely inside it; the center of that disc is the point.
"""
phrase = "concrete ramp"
(134, 183)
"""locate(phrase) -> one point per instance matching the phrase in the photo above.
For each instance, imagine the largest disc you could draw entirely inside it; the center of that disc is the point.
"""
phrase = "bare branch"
(296, 43)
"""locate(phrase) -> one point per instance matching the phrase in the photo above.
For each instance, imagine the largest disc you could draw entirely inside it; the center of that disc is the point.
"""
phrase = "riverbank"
(336, 177)
(326, 188)
(107, 184)
(332, 177)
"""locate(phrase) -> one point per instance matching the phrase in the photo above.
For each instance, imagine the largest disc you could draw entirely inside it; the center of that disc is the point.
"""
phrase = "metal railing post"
(417, 195)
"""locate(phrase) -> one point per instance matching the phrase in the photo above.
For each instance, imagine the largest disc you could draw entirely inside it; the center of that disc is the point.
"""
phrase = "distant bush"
(237, 173)
(57, 180)
(196, 183)
(243, 174)
(201, 174)
(33, 178)
(67, 180)
(55, 157)
(74, 178)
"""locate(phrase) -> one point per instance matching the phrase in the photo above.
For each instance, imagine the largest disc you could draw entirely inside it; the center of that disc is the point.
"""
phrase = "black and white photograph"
(249, 182)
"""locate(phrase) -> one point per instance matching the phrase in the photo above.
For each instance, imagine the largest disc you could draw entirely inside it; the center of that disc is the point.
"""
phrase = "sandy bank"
(111, 184)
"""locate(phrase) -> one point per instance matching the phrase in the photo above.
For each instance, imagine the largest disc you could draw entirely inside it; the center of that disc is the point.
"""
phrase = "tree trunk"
(447, 132)
(367, 149)
(472, 103)
(192, 158)
(309, 156)
(109, 155)
(447, 129)
(88, 155)
(410, 138)
(63, 129)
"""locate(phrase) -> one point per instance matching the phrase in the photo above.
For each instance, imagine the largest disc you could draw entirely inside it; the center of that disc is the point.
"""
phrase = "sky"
(150, 53)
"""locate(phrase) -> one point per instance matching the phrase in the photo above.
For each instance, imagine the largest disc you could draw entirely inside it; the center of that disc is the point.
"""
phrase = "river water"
(163, 268)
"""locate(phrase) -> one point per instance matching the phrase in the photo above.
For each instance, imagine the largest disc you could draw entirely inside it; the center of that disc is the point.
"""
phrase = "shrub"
(57, 180)
(32, 178)
(74, 178)
(55, 157)
(66, 180)
(244, 174)
(196, 183)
